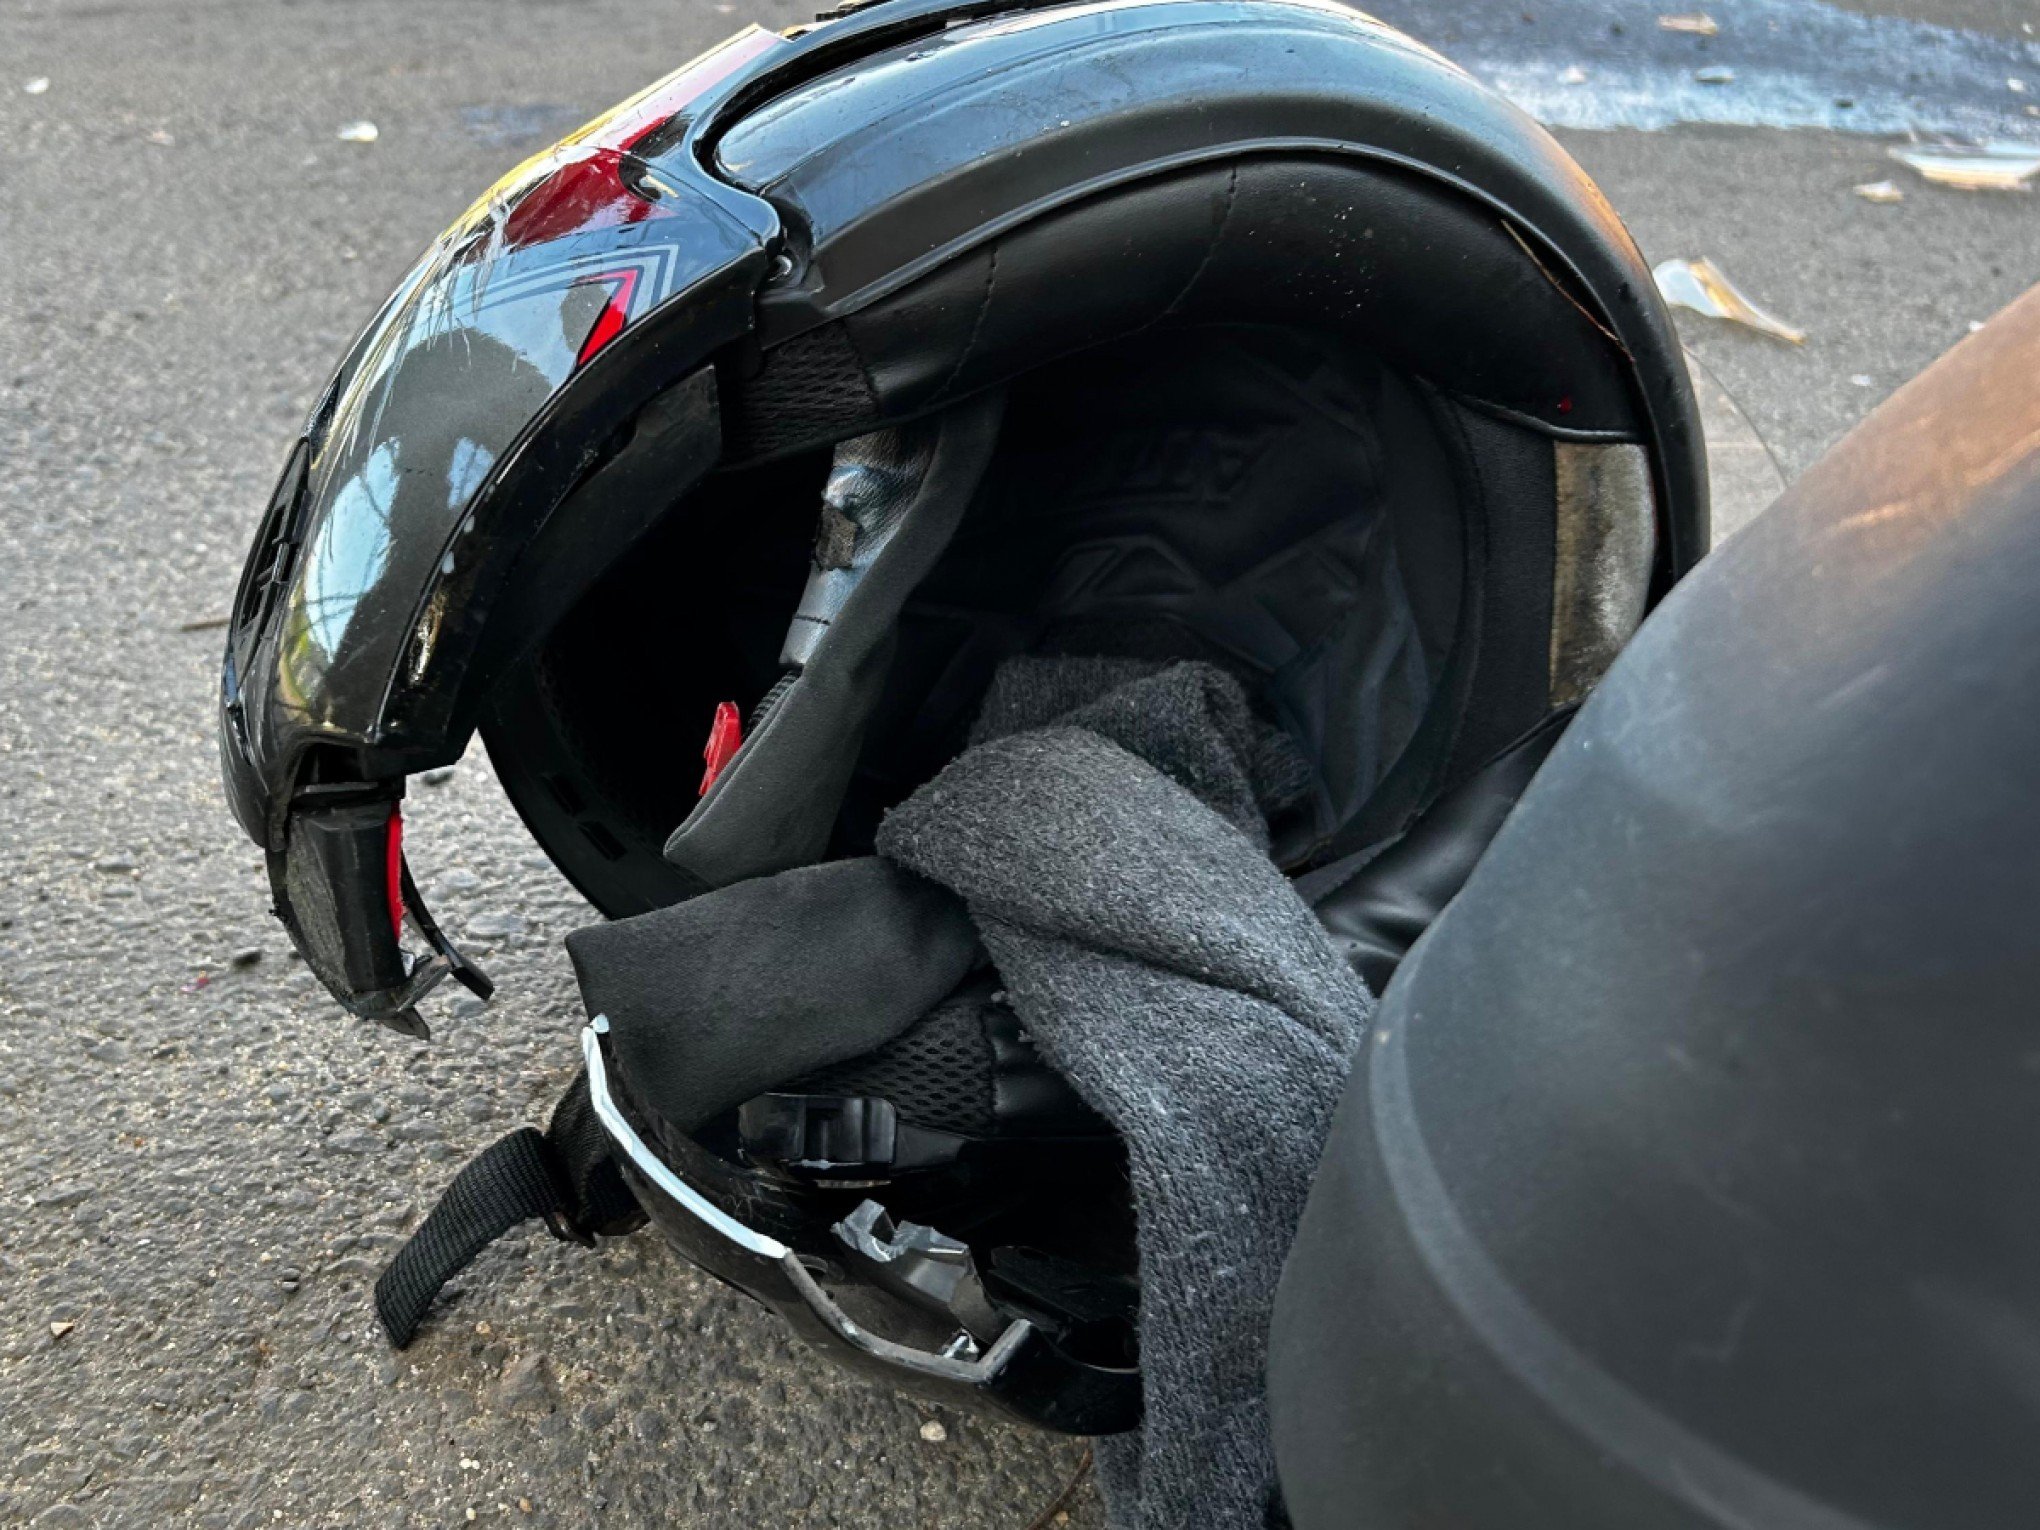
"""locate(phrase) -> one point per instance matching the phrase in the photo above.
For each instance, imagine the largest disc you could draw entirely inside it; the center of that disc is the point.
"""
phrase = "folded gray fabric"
(712, 1000)
(1107, 834)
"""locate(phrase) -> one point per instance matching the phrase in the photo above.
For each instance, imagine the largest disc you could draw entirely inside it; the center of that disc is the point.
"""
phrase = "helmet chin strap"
(893, 500)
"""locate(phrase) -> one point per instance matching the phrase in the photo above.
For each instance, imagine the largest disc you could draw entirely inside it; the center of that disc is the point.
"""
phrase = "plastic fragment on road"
(37, 86)
(1701, 286)
(359, 132)
(1572, 74)
(1699, 23)
(1880, 191)
(1973, 167)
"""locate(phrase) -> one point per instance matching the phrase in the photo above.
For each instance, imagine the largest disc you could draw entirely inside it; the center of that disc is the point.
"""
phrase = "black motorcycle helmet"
(837, 368)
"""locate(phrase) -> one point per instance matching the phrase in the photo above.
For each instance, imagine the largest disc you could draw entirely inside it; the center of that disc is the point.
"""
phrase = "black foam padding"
(1271, 503)
(715, 999)
(1375, 902)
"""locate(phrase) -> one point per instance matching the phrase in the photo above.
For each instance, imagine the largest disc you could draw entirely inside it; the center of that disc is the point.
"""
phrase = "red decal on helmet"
(577, 185)
(725, 738)
(615, 313)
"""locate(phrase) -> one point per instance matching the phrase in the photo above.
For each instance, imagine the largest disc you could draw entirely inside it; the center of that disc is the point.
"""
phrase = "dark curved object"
(1684, 1181)
(1377, 902)
(548, 339)
(547, 355)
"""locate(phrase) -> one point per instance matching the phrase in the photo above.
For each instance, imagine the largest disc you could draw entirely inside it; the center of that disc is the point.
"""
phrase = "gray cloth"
(1108, 835)
(712, 1000)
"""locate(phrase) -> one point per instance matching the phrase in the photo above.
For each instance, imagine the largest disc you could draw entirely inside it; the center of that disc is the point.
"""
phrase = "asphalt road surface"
(203, 1162)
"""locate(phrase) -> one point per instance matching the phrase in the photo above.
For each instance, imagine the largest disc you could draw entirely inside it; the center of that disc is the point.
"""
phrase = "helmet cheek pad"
(897, 496)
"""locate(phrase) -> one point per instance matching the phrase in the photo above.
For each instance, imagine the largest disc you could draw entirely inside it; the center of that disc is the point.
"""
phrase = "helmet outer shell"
(909, 160)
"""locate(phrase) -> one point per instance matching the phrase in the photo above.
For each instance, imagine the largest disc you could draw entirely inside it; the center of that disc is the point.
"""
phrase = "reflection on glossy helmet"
(1247, 330)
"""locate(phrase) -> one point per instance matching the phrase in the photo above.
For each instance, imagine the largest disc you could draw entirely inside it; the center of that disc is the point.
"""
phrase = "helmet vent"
(269, 560)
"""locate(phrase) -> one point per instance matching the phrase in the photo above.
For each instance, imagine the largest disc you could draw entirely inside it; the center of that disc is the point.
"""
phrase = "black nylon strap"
(599, 1200)
(506, 1184)
(564, 1174)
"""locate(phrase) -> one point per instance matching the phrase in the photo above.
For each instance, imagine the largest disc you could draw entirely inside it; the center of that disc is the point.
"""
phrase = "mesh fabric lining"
(938, 1074)
(812, 388)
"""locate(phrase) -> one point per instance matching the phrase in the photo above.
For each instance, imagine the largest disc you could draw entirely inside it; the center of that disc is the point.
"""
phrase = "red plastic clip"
(725, 738)
(393, 871)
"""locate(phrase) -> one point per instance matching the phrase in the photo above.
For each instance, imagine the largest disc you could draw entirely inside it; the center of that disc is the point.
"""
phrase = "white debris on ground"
(1973, 167)
(1702, 287)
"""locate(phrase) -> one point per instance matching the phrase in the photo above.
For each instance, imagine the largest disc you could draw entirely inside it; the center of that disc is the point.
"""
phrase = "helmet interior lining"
(1274, 503)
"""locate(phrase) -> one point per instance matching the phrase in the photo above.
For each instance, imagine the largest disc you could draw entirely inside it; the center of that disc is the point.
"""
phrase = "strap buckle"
(976, 1370)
